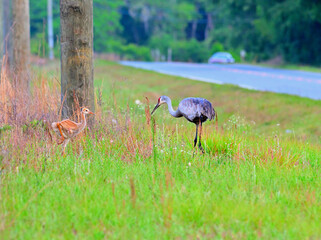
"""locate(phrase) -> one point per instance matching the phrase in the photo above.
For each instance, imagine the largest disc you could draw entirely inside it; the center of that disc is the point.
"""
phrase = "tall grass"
(134, 176)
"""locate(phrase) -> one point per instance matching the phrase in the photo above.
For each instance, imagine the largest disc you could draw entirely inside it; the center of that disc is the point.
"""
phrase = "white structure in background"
(169, 55)
(50, 31)
(242, 54)
(156, 55)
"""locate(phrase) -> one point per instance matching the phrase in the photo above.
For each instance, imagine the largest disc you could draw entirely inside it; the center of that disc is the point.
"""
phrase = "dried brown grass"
(25, 115)
(19, 106)
(27, 118)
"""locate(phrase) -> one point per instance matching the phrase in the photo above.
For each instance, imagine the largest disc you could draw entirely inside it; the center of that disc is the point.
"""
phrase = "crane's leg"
(200, 137)
(65, 142)
(62, 136)
(195, 139)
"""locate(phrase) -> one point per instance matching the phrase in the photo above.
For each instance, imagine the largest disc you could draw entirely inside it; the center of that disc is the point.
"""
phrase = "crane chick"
(195, 110)
(68, 129)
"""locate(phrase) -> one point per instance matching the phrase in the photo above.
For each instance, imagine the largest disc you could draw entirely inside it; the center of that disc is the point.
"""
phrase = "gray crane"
(195, 110)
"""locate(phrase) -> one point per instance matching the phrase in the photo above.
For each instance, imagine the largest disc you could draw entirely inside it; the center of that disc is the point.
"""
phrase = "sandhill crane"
(195, 110)
(68, 129)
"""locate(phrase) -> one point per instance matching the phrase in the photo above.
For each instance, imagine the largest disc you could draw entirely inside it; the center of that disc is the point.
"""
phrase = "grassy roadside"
(267, 112)
(305, 68)
(301, 68)
(131, 178)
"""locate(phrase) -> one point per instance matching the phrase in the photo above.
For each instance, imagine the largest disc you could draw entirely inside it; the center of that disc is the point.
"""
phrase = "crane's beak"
(157, 106)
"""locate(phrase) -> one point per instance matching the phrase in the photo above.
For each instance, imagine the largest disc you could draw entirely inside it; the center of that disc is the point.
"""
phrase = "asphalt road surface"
(301, 83)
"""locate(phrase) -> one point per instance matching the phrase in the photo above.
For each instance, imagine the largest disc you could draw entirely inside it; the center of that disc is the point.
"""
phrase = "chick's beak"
(157, 106)
(91, 113)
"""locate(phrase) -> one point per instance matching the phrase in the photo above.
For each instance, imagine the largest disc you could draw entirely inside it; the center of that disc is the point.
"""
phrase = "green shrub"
(108, 46)
(39, 46)
(129, 52)
(236, 54)
(190, 51)
(161, 42)
(134, 52)
(217, 47)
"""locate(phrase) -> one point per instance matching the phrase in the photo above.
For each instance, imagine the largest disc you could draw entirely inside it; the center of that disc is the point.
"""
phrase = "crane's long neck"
(83, 120)
(176, 113)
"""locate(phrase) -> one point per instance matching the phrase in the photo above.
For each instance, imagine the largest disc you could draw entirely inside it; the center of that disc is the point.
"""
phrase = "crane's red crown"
(159, 99)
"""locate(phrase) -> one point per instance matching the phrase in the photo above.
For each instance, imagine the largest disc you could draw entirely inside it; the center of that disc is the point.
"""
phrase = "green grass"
(306, 68)
(267, 112)
(131, 178)
(301, 68)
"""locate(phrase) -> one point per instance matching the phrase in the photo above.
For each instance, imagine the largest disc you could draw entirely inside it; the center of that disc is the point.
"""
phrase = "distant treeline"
(288, 30)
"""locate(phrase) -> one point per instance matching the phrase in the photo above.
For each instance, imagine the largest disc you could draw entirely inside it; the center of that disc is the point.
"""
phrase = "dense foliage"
(288, 30)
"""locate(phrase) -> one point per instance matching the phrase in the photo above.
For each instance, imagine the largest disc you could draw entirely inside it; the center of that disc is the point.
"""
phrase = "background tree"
(1, 28)
(21, 42)
(133, 29)
(76, 43)
(1, 35)
(7, 33)
(107, 25)
(40, 27)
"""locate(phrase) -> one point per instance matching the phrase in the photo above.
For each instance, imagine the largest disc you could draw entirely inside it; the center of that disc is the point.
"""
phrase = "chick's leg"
(62, 136)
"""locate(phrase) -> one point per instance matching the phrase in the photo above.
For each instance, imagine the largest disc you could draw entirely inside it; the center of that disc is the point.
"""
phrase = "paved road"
(304, 84)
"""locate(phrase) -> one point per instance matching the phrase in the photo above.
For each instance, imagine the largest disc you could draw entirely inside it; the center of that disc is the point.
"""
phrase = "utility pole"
(50, 31)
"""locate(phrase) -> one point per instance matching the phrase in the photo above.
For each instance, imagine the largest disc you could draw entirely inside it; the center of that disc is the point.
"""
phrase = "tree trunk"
(194, 27)
(209, 26)
(7, 34)
(21, 42)
(145, 18)
(76, 26)
(1, 30)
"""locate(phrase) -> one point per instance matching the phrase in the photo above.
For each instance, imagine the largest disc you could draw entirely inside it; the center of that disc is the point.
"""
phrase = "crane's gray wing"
(208, 109)
(195, 107)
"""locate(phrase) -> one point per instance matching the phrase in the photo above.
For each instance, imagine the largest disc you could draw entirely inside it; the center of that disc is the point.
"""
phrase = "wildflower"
(138, 102)
(189, 164)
